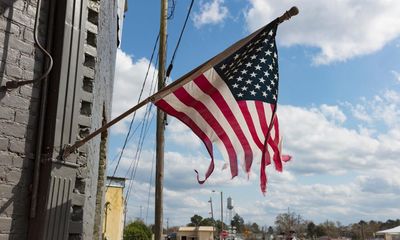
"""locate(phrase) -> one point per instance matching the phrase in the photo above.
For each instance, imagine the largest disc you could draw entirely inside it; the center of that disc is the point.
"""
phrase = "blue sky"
(339, 109)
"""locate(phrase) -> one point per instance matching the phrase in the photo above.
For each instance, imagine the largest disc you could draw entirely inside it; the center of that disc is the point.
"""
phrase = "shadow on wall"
(17, 128)
(4, 7)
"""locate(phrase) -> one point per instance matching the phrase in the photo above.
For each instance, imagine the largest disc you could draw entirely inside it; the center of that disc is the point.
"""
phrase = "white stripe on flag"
(199, 95)
(220, 84)
(198, 120)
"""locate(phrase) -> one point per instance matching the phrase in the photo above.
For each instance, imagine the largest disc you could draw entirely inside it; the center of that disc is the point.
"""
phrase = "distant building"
(114, 209)
(390, 234)
(195, 233)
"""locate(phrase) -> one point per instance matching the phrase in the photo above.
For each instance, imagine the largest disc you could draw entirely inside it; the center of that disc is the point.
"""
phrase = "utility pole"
(212, 214)
(222, 213)
(158, 219)
(167, 224)
(212, 211)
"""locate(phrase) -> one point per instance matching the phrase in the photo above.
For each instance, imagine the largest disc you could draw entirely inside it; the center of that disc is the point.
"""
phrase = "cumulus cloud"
(182, 135)
(321, 146)
(380, 109)
(129, 76)
(361, 167)
(333, 113)
(211, 12)
(340, 29)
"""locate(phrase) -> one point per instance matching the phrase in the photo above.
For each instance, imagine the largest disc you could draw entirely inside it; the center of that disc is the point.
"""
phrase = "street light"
(222, 211)
(212, 214)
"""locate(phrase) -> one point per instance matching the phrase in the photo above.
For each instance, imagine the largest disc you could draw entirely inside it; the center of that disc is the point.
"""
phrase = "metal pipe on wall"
(43, 103)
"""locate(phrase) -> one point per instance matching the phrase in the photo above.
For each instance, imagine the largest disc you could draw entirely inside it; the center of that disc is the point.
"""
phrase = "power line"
(134, 115)
(150, 181)
(171, 64)
(145, 118)
(145, 128)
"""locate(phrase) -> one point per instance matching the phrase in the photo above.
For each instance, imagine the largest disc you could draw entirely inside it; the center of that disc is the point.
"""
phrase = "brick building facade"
(41, 195)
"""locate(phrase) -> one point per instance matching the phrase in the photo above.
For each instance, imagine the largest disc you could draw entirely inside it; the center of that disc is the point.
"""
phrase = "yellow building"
(114, 209)
(195, 233)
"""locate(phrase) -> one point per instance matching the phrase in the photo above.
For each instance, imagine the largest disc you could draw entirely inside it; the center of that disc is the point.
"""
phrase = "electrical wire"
(145, 125)
(148, 109)
(150, 185)
(134, 115)
(171, 65)
(171, 10)
(14, 83)
(135, 163)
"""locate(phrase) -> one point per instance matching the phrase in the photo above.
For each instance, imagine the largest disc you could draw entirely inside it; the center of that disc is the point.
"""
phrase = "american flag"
(231, 100)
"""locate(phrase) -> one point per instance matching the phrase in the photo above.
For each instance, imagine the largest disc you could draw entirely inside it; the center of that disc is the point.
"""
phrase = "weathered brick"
(19, 17)
(9, 55)
(29, 91)
(19, 4)
(31, 11)
(14, 176)
(14, 208)
(5, 159)
(28, 35)
(8, 207)
(24, 117)
(22, 162)
(13, 71)
(6, 191)
(14, 101)
(19, 45)
(3, 144)
(17, 146)
(3, 174)
(13, 129)
(28, 75)
(6, 113)
(9, 27)
(27, 63)
(5, 224)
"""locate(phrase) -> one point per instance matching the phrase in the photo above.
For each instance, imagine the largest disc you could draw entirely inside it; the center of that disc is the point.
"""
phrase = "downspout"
(43, 103)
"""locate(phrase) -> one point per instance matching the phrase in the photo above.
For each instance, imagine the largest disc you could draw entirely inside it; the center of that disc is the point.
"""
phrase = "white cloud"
(333, 113)
(396, 75)
(213, 12)
(182, 135)
(362, 169)
(129, 76)
(340, 29)
(321, 146)
(380, 109)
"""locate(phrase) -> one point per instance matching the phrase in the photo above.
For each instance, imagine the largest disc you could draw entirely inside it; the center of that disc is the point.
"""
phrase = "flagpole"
(159, 179)
(67, 150)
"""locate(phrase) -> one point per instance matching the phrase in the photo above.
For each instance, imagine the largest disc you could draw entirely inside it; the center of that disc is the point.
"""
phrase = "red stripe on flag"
(191, 124)
(249, 121)
(261, 116)
(274, 145)
(203, 83)
(188, 100)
